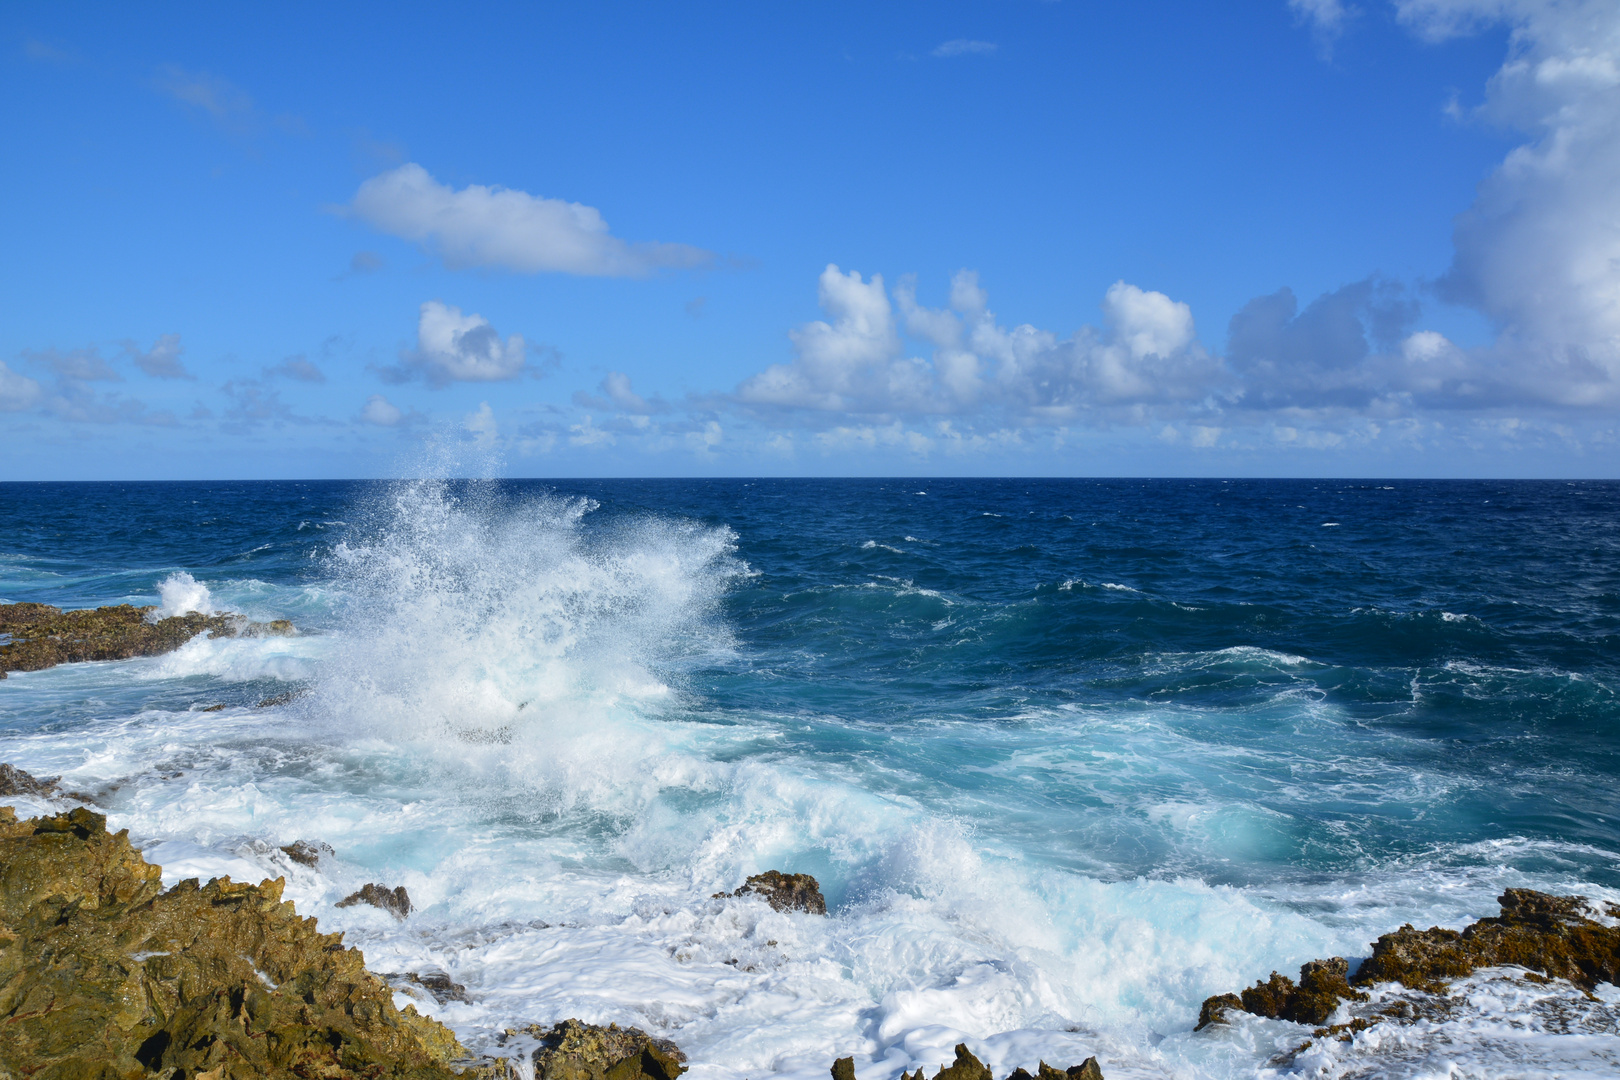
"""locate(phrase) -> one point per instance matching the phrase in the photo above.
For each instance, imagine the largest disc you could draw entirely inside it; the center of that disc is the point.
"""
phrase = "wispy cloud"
(503, 228)
(963, 47)
(162, 360)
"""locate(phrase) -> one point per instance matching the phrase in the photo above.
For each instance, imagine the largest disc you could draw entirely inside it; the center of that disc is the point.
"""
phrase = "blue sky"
(1273, 238)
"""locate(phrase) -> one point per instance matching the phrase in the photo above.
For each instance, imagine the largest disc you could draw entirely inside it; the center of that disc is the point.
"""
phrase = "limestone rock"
(396, 901)
(104, 974)
(572, 1050)
(13, 781)
(308, 852)
(43, 636)
(1555, 935)
(784, 892)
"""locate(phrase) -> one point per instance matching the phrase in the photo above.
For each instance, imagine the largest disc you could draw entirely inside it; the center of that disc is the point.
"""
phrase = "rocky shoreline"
(34, 637)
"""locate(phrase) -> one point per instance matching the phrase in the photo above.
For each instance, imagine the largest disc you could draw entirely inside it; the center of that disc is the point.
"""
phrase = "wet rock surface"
(968, 1067)
(572, 1050)
(103, 973)
(42, 636)
(13, 781)
(1558, 936)
(437, 983)
(395, 901)
(308, 852)
(784, 892)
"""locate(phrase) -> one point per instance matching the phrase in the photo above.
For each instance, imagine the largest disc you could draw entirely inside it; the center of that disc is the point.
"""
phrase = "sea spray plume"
(523, 636)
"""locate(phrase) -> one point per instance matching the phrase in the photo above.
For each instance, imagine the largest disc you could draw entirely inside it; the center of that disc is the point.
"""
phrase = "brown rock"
(965, 1067)
(104, 974)
(843, 1069)
(308, 852)
(572, 1050)
(13, 781)
(1214, 1010)
(397, 902)
(784, 892)
(43, 636)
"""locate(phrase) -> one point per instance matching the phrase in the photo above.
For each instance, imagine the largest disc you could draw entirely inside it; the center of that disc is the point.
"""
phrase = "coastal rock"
(308, 852)
(13, 781)
(784, 892)
(42, 636)
(572, 1050)
(396, 901)
(437, 983)
(1555, 935)
(968, 1067)
(105, 974)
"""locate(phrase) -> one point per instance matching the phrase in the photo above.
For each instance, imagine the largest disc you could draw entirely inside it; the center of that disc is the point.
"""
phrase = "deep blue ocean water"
(1066, 755)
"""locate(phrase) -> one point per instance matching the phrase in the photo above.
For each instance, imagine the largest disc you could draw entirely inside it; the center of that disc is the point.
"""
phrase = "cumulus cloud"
(1539, 250)
(380, 411)
(481, 425)
(502, 228)
(963, 47)
(162, 360)
(452, 347)
(1145, 352)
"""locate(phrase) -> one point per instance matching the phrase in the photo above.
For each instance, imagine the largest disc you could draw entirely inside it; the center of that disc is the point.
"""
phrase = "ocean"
(1066, 756)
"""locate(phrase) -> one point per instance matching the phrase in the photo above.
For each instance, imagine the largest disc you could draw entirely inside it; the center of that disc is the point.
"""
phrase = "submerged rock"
(784, 892)
(968, 1067)
(437, 983)
(105, 974)
(1554, 935)
(397, 902)
(43, 636)
(572, 1050)
(13, 781)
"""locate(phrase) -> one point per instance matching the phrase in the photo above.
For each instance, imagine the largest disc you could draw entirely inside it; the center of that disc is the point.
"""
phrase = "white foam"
(180, 593)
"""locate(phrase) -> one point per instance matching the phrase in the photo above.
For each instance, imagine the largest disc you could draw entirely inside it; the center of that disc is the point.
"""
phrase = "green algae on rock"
(105, 974)
(1554, 935)
(43, 636)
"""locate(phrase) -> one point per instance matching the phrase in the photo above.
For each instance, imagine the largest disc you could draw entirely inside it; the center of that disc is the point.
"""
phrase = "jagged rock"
(397, 902)
(1555, 935)
(965, 1067)
(13, 781)
(104, 974)
(572, 1050)
(308, 852)
(437, 983)
(843, 1069)
(784, 892)
(43, 636)
(286, 697)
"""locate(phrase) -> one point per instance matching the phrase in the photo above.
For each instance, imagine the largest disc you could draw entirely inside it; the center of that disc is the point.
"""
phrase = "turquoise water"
(1067, 756)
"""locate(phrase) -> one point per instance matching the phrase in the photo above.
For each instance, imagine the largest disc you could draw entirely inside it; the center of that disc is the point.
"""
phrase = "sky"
(1020, 237)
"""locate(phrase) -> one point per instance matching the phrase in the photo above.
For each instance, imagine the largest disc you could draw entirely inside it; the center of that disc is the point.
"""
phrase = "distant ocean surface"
(1067, 756)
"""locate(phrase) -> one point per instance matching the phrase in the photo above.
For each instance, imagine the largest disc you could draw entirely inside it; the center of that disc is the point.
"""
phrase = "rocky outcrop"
(784, 892)
(575, 1051)
(968, 1067)
(308, 852)
(395, 901)
(1555, 935)
(42, 636)
(105, 974)
(13, 781)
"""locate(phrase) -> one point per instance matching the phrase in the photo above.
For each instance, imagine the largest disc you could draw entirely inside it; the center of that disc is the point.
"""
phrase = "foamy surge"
(501, 718)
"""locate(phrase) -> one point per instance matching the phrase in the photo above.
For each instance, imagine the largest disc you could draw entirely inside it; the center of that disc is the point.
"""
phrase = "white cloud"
(481, 226)
(17, 392)
(963, 47)
(297, 368)
(380, 411)
(618, 396)
(452, 347)
(1147, 351)
(1326, 17)
(1539, 250)
(162, 360)
(481, 425)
